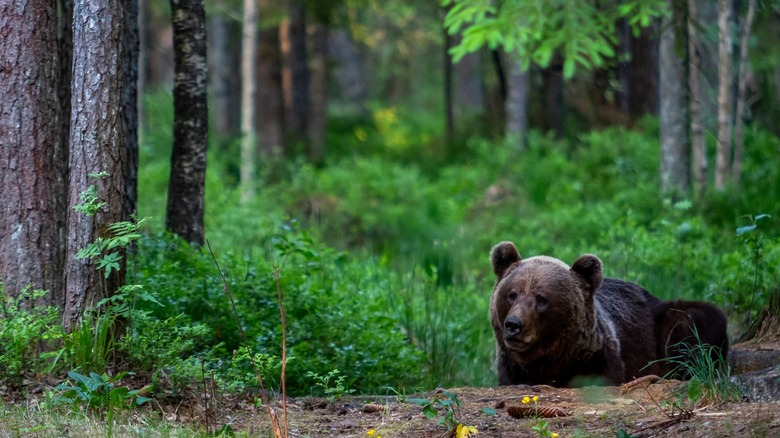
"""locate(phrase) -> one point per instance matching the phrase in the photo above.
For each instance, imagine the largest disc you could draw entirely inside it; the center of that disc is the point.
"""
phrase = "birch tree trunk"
(97, 144)
(31, 147)
(248, 133)
(190, 121)
(725, 110)
(675, 161)
(739, 124)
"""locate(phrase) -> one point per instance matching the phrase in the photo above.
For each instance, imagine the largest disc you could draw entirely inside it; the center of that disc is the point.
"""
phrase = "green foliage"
(98, 394)
(331, 384)
(382, 257)
(582, 31)
(25, 329)
(449, 403)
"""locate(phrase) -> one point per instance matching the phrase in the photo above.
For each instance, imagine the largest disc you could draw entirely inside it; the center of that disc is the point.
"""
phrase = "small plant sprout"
(450, 404)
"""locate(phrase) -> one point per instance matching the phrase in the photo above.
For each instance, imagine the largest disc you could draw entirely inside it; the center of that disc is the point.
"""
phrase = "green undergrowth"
(384, 260)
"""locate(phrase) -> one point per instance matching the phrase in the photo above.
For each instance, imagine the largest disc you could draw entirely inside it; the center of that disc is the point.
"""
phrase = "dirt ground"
(644, 410)
(589, 412)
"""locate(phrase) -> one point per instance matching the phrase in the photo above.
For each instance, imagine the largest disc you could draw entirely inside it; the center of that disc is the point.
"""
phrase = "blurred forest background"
(349, 154)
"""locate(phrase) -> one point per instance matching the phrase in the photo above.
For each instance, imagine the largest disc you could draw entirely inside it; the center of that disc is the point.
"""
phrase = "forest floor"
(644, 410)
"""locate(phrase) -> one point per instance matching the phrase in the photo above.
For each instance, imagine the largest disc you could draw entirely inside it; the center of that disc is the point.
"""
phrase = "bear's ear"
(503, 256)
(588, 267)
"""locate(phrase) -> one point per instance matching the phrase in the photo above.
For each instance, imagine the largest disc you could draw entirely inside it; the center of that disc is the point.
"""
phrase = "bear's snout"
(512, 326)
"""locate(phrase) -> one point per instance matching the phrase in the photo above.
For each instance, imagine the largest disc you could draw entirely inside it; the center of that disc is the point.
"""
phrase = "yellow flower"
(553, 435)
(370, 432)
(526, 400)
(536, 399)
(464, 431)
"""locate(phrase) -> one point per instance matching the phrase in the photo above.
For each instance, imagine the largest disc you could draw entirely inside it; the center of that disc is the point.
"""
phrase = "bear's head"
(540, 306)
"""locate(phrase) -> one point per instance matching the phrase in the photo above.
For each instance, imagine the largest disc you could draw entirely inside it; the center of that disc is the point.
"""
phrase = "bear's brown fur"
(553, 322)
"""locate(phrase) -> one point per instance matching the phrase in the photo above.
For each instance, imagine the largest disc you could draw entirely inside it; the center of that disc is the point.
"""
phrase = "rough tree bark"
(97, 145)
(725, 110)
(31, 196)
(190, 121)
(739, 123)
(248, 71)
(675, 159)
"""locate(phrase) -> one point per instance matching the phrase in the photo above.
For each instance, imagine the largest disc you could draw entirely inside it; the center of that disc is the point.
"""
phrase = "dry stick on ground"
(205, 396)
(275, 426)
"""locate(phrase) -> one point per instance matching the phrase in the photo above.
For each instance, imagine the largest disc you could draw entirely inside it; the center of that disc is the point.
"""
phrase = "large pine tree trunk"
(190, 121)
(97, 145)
(675, 158)
(31, 195)
(725, 110)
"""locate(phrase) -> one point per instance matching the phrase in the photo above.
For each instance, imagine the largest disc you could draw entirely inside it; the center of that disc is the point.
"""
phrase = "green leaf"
(746, 229)
(430, 412)
(488, 411)
(694, 390)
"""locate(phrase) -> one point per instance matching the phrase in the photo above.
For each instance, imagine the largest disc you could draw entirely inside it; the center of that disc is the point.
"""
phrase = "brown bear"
(681, 324)
(555, 322)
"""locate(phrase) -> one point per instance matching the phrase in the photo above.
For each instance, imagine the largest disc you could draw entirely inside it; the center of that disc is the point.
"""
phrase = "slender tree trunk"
(269, 102)
(449, 112)
(699, 146)
(469, 93)
(349, 73)
(97, 145)
(643, 77)
(739, 136)
(131, 107)
(725, 110)
(517, 103)
(30, 193)
(675, 161)
(553, 110)
(222, 75)
(190, 121)
(319, 92)
(248, 133)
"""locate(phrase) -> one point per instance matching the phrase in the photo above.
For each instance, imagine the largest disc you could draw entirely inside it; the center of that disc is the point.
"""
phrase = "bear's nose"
(512, 326)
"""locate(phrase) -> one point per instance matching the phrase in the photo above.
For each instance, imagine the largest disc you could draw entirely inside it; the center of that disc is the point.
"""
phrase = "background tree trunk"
(348, 73)
(269, 102)
(552, 97)
(698, 143)
(132, 47)
(449, 111)
(248, 133)
(295, 72)
(224, 77)
(190, 121)
(97, 145)
(31, 194)
(675, 160)
(725, 110)
(517, 103)
(319, 92)
(739, 123)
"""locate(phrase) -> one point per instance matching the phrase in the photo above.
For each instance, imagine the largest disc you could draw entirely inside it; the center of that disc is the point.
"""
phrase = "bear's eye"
(542, 301)
(512, 296)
